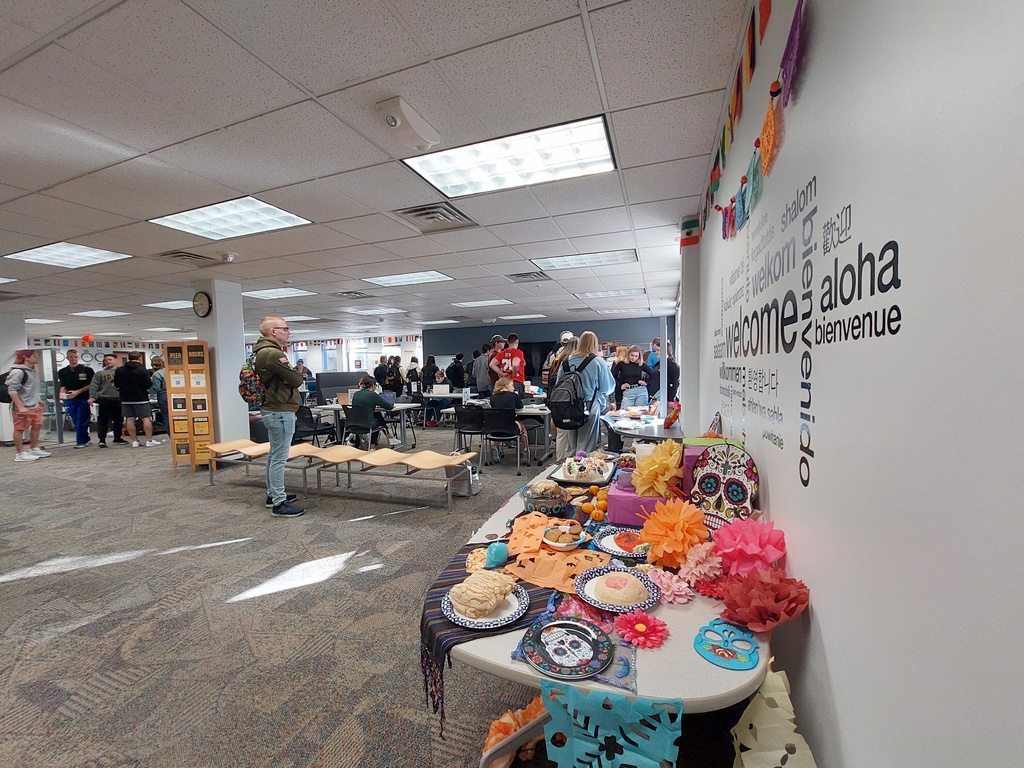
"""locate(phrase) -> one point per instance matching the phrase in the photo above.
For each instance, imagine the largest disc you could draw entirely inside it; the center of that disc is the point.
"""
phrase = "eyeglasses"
(281, 328)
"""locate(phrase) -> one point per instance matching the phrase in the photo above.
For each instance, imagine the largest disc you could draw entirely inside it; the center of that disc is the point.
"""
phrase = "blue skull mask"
(726, 645)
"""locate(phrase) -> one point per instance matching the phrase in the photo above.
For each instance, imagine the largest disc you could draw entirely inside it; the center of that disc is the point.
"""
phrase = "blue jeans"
(280, 428)
(635, 396)
(80, 415)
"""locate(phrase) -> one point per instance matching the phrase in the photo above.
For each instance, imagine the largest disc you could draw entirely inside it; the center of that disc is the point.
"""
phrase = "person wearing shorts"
(133, 382)
(26, 406)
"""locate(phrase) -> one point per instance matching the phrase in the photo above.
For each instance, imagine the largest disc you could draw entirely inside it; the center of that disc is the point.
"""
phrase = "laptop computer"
(389, 397)
(441, 389)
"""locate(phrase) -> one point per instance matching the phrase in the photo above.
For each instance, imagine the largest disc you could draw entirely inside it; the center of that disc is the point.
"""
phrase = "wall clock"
(202, 304)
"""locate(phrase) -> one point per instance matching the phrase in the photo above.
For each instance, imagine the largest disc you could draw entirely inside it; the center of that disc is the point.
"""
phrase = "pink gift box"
(624, 506)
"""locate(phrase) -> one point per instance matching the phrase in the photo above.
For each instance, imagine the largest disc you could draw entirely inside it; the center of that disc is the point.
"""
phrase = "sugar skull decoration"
(724, 484)
(726, 645)
(565, 648)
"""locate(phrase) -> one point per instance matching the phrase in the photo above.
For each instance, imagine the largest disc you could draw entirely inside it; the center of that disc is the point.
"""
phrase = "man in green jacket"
(280, 403)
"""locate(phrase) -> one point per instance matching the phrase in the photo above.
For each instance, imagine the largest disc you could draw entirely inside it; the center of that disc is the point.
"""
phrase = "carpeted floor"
(150, 619)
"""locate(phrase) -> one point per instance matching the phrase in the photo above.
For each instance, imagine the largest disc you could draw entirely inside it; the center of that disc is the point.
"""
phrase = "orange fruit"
(594, 490)
(597, 516)
(602, 505)
(588, 508)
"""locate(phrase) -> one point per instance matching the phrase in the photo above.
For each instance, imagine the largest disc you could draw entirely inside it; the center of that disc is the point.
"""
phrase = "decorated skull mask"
(724, 484)
(565, 648)
(726, 645)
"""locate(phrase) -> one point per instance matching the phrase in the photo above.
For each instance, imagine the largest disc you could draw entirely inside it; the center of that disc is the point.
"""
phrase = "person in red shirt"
(512, 363)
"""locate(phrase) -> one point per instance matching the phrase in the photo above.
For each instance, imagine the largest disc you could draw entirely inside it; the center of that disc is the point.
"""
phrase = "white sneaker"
(393, 441)
(151, 443)
(27, 456)
(135, 444)
(39, 452)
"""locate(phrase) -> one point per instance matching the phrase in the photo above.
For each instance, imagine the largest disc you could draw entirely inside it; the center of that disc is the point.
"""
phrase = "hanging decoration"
(764, 12)
(791, 55)
(771, 129)
(754, 178)
(750, 49)
(741, 207)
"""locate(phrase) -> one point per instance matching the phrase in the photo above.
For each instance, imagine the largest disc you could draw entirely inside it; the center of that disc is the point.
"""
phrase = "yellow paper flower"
(671, 530)
(659, 470)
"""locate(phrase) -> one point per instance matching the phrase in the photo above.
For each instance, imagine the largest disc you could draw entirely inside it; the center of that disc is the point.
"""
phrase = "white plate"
(559, 476)
(585, 584)
(605, 541)
(512, 608)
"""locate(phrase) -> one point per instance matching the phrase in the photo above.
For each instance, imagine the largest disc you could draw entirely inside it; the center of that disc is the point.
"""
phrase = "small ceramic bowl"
(568, 546)
(553, 506)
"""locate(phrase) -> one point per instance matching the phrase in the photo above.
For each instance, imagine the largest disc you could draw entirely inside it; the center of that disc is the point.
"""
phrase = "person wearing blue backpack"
(597, 384)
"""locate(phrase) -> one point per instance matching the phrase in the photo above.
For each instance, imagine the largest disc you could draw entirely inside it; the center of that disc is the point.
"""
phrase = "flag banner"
(751, 58)
(791, 55)
(764, 12)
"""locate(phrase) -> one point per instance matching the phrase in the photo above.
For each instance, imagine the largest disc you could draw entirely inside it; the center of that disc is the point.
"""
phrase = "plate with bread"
(485, 600)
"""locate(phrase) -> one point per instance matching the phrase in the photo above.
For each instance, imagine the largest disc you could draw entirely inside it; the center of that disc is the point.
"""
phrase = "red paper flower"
(711, 587)
(763, 599)
(641, 629)
(748, 545)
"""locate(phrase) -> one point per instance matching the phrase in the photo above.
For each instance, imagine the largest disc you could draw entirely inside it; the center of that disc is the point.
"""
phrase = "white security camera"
(406, 124)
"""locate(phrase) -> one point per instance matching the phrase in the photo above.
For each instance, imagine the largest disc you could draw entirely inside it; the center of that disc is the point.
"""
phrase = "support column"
(223, 331)
(688, 349)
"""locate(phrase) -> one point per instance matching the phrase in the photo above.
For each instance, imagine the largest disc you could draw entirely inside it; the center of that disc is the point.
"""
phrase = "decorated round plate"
(513, 607)
(564, 546)
(567, 649)
(585, 584)
(604, 540)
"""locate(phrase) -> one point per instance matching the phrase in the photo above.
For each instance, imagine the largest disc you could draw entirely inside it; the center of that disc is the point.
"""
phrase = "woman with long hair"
(597, 384)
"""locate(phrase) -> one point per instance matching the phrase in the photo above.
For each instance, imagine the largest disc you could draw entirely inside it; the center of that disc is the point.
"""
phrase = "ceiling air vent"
(528, 277)
(192, 259)
(352, 295)
(436, 217)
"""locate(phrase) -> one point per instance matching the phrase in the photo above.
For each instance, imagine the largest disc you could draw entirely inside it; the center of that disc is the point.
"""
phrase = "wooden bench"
(302, 456)
(338, 459)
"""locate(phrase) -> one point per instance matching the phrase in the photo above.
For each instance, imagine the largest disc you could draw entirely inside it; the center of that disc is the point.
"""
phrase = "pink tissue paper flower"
(673, 588)
(701, 563)
(748, 545)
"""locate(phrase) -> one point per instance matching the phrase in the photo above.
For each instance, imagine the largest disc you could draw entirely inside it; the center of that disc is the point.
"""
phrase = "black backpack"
(5, 393)
(567, 400)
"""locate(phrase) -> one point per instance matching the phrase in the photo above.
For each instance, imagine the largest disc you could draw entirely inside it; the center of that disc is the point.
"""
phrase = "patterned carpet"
(135, 632)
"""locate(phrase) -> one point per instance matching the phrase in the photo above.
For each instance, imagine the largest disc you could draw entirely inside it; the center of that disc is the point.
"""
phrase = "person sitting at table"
(437, 404)
(368, 399)
(506, 397)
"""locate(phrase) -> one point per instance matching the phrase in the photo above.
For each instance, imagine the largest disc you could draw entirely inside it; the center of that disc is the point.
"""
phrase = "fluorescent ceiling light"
(277, 293)
(233, 218)
(299, 318)
(171, 305)
(100, 313)
(611, 294)
(111, 334)
(439, 322)
(40, 321)
(616, 311)
(8, 279)
(487, 303)
(409, 278)
(384, 311)
(161, 330)
(602, 259)
(560, 152)
(519, 317)
(67, 255)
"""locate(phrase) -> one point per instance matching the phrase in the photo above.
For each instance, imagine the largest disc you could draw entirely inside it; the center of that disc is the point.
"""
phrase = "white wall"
(908, 532)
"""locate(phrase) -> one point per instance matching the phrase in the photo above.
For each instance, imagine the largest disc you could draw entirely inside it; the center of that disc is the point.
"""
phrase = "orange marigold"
(671, 530)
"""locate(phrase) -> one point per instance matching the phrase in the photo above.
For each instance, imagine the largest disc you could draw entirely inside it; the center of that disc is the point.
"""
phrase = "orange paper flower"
(671, 530)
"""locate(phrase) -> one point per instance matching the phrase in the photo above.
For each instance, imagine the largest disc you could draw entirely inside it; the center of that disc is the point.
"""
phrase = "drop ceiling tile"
(546, 249)
(226, 159)
(490, 255)
(368, 254)
(663, 212)
(387, 187)
(327, 259)
(28, 225)
(318, 200)
(317, 44)
(527, 231)
(414, 247)
(661, 181)
(66, 86)
(311, 237)
(374, 228)
(9, 193)
(610, 270)
(14, 36)
(594, 222)
(655, 236)
(425, 91)
(502, 207)
(147, 176)
(91, 191)
(488, 282)
(39, 151)
(465, 239)
(156, 237)
(54, 210)
(464, 273)
(613, 241)
(442, 262)
(213, 75)
(687, 48)
(532, 80)
(602, 190)
(318, 143)
(669, 130)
